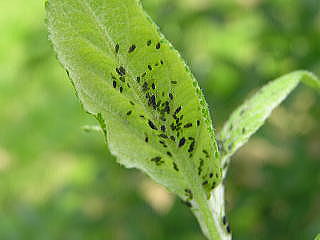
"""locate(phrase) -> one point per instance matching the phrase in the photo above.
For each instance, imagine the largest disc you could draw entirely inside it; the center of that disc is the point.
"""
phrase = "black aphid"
(121, 70)
(146, 139)
(129, 113)
(114, 83)
(145, 86)
(143, 74)
(121, 89)
(153, 86)
(151, 124)
(224, 220)
(132, 48)
(210, 175)
(132, 103)
(163, 128)
(161, 62)
(149, 42)
(138, 79)
(122, 78)
(228, 228)
(177, 110)
(116, 48)
(198, 123)
(169, 154)
(174, 82)
(188, 125)
(175, 167)
(170, 96)
(189, 194)
(182, 142)
(149, 67)
(204, 183)
(157, 160)
(158, 46)
(191, 147)
(163, 135)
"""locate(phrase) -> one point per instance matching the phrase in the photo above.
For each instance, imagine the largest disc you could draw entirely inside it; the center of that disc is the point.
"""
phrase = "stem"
(210, 214)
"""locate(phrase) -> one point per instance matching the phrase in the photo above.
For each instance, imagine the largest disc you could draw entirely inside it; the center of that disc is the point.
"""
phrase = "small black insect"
(153, 86)
(151, 124)
(188, 125)
(204, 183)
(132, 103)
(121, 89)
(161, 61)
(138, 79)
(228, 228)
(116, 48)
(175, 167)
(170, 96)
(158, 45)
(198, 123)
(149, 42)
(191, 147)
(224, 220)
(114, 83)
(178, 110)
(121, 71)
(182, 142)
(163, 135)
(174, 82)
(129, 113)
(132, 48)
(149, 67)
(169, 154)
(163, 128)
(146, 139)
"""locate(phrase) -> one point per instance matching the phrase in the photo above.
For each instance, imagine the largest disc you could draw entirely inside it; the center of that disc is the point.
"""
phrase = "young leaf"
(250, 116)
(147, 102)
(317, 237)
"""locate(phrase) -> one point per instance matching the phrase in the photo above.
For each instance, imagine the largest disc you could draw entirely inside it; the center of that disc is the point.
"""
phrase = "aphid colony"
(169, 129)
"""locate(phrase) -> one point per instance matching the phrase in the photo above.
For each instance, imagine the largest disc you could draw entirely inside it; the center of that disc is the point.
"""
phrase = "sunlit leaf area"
(58, 181)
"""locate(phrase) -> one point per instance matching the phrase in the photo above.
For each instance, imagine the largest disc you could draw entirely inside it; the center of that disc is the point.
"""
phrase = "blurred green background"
(58, 182)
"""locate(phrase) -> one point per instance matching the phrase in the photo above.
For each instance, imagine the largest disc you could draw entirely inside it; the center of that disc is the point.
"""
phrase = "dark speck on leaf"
(116, 48)
(149, 42)
(114, 83)
(182, 142)
(174, 82)
(158, 46)
(151, 124)
(132, 48)
(129, 113)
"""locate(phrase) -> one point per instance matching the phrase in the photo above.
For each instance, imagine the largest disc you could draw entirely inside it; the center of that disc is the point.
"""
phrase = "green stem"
(210, 214)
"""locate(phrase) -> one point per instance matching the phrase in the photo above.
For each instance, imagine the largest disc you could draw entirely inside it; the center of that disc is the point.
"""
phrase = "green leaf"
(250, 116)
(317, 237)
(147, 102)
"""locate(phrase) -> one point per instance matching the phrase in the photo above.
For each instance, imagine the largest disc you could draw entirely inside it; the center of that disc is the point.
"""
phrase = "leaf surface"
(147, 102)
(251, 115)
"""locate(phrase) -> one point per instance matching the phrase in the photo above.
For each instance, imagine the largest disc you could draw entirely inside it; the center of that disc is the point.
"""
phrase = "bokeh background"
(58, 182)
